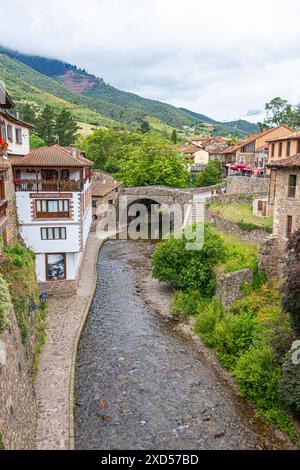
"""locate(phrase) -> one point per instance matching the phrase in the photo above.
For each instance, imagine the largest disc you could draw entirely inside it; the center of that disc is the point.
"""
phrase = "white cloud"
(217, 58)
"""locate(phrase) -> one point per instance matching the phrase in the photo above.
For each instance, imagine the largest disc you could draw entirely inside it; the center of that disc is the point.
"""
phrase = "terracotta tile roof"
(190, 149)
(251, 139)
(54, 156)
(289, 162)
(102, 189)
(291, 136)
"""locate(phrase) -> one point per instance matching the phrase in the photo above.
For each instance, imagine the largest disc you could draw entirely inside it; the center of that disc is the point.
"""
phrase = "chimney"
(18, 115)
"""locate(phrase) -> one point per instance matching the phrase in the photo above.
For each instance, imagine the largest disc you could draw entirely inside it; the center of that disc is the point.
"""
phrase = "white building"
(16, 133)
(54, 209)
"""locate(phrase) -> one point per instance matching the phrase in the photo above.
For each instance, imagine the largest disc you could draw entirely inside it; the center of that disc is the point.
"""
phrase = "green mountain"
(43, 80)
(240, 124)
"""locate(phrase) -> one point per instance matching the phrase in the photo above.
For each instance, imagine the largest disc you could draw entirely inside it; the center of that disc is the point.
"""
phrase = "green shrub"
(211, 314)
(233, 335)
(258, 377)
(247, 226)
(186, 303)
(189, 269)
(5, 305)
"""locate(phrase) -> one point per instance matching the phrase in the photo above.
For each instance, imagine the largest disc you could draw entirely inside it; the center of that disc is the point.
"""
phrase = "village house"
(284, 195)
(54, 209)
(253, 151)
(283, 146)
(14, 140)
(105, 190)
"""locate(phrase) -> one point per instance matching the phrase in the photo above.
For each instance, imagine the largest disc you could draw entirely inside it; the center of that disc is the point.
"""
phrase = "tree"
(45, 125)
(278, 111)
(210, 176)
(108, 147)
(189, 269)
(65, 128)
(153, 162)
(28, 113)
(36, 141)
(145, 127)
(174, 137)
(291, 290)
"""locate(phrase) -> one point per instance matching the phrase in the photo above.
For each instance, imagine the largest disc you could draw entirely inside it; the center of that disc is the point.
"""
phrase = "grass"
(240, 254)
(241, 214)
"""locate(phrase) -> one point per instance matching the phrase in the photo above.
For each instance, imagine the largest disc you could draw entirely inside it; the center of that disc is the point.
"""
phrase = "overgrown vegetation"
(189, 269)
(242, 215)
(291, 290)
(5, 305)
(18, 270)
(252, 337)
(249, 342)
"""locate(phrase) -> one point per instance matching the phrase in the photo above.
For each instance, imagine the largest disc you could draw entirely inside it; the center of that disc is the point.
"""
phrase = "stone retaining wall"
(236, 198)
(247, 185)
(229, 285)
(254, 236)
(17, 397)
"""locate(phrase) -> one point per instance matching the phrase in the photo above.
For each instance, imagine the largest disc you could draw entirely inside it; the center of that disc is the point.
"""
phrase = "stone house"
(105, 190)
(284, 195)
(14, 133)
(54, 209)
(253, 151)
(283, 146)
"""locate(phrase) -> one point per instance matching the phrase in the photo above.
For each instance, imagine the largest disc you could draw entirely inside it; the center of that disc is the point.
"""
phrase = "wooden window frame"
(53, 228)
(292, 188)
(288, 148)
(19, 136)
(46, 266)
(52, 215)
(10, 133)
(280, 150)
(298, 146)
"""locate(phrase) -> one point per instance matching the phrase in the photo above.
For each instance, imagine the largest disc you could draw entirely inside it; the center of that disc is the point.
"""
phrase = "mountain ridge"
(109, 101)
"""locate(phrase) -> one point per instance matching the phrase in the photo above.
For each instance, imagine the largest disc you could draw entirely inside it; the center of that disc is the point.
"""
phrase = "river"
(140, 384)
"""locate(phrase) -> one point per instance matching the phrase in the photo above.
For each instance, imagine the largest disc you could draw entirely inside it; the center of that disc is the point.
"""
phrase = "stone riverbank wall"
(229, 286)
(17, 397)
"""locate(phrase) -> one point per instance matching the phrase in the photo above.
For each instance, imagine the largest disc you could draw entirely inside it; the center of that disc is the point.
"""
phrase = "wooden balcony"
(48, 185)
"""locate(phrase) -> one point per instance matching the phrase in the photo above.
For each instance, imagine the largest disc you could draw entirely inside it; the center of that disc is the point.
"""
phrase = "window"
(55, 266)
(18, 135)
(298, 146)
(272, 150)
(288, 148)
(3, 130)
(49, 174)
(52, 208)
(53, 233)
(292, 185)
(289, 226)
(94, 204)
(10, 133)
(65, 175)
(280, 150)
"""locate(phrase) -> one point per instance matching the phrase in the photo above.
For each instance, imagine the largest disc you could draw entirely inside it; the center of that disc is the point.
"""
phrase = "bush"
(234, 334)
(5, 305)
(189, 269)
(186, 303)
(247, 226)
(258, 377)
(289, 387)
(211, 314)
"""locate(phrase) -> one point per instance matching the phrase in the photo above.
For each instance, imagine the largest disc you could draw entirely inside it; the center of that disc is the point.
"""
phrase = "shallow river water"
(140, 384)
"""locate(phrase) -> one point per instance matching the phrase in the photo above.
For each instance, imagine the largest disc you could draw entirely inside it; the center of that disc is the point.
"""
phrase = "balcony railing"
(48, 185)
(3, 207)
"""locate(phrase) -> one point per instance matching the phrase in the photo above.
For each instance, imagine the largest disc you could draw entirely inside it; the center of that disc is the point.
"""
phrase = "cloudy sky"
(224, 59)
